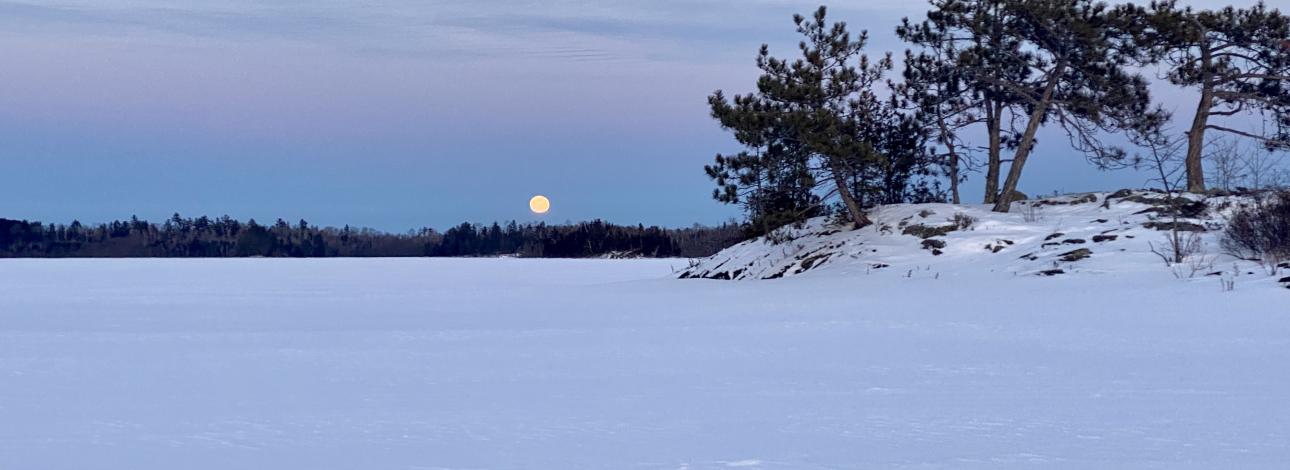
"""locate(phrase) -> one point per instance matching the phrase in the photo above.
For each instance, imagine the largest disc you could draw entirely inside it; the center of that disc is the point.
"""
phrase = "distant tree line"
(828, 131)
(226, 237)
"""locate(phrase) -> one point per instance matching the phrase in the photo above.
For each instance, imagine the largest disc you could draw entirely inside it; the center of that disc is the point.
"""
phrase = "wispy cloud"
(562, 29)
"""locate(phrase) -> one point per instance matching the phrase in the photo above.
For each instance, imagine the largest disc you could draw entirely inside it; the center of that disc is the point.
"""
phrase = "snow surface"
(614, 364)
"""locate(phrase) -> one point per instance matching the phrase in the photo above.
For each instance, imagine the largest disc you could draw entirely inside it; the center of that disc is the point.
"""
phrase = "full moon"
(539, 204)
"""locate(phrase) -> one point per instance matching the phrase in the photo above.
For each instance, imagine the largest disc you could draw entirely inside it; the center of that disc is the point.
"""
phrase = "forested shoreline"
(225, 237)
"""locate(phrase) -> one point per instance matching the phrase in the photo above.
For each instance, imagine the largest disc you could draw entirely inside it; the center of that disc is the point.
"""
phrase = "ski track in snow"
(518, 364)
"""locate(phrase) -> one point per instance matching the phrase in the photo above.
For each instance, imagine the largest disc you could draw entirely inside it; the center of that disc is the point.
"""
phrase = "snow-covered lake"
(558, 364)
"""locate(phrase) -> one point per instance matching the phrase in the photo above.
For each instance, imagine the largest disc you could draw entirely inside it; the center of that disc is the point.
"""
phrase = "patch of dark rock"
(1104, 238)
(778, 274)
(994, 248)
(1123, 193)
(879, 266)
(1100, 221)
(1046, 245)
(1130, 236)
(1085, 199)
(1171, 226)
(1180, 207)
(1009, 242)
(1029, 257)
(930, 244)
(928, 231)
(1073, 256)
(721, 276)
(1051, 272)
(1142, 199)
(1074, 241)
(1284, 265)
(1055, 235)
(1215, 273)
(813, 261)
(925, 213)
(1285, 280)
(937, 252)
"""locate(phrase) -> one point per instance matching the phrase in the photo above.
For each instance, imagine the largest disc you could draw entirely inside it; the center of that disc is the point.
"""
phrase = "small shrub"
(1031, 214)
(963, 221)
(1261, 232)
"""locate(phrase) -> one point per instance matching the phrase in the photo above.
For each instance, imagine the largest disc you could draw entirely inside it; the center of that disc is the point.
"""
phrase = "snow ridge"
(1078, 233)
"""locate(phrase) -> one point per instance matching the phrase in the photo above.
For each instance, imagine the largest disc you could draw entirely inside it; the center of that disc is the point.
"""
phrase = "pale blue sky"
(396, 114)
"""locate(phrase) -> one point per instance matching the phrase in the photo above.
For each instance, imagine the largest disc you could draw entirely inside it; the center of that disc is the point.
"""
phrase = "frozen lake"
(560, 364)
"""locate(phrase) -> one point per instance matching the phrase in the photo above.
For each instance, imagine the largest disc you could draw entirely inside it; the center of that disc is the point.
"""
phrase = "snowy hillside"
(1083, 234)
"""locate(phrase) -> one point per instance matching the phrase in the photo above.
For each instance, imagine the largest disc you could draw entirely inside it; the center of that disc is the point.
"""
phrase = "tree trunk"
(1004, 202)
(853, 207)
(1196, 141)
(994, 124)
(954, 160)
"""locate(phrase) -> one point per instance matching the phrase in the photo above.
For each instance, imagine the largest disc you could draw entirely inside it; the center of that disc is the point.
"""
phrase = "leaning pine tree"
(815, 126)
(960, 77)
(1076, 59)
(1237, 59)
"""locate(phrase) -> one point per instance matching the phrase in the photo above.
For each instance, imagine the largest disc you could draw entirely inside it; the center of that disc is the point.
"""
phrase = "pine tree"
(969, 56)
(1237, 59)
(815, 125)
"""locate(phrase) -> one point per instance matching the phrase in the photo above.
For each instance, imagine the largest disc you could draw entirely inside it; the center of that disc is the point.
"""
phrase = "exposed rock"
(1085, 199)
(1051, 272)
(1074, 241)
(1073, 256)
(1123, 193)
(1171, 226)
(928, 231)
(1053, 236)
(1104, 238)
(930, 244)
(1181, 207)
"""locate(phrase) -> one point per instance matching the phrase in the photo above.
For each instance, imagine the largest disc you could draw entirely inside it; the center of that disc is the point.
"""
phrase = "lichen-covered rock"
(1073, 256)
(928, 231)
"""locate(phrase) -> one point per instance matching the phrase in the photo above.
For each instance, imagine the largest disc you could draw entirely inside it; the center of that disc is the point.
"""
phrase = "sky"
(399, 114)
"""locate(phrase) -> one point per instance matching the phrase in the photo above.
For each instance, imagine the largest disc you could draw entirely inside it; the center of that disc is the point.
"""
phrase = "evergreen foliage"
(816, 128)
(1238, 59)
(181, 237)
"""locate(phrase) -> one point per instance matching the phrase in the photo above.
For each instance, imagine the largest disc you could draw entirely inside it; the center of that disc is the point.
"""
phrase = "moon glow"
(539, 204)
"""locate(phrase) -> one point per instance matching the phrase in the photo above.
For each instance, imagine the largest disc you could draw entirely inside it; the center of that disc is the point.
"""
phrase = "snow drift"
(1074, 234)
